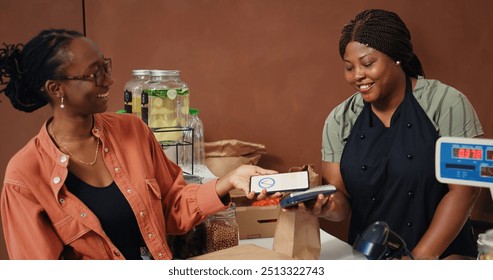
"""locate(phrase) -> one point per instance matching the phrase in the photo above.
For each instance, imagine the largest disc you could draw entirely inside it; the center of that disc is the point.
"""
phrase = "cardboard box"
(255, 221)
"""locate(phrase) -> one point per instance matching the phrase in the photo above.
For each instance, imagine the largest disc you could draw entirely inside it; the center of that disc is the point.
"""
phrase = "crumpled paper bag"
(297, 234)
(224, 156)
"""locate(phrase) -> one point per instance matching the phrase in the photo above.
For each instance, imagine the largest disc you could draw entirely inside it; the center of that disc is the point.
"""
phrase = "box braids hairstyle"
(385, 32)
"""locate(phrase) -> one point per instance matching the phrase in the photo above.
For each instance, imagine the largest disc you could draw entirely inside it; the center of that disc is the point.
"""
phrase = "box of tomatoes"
(256, 218)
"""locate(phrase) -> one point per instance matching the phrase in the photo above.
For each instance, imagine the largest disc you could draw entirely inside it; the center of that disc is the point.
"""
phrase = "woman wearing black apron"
(379, 145)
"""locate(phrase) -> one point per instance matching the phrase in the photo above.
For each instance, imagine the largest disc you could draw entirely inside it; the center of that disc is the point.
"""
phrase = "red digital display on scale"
(489, 154)
(467, 153)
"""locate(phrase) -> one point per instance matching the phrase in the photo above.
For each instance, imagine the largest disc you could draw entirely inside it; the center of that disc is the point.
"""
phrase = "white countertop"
(332, 248)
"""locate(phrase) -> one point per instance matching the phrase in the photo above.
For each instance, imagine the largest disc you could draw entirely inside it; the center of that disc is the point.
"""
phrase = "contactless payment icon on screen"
(266, 183)
(280, 182)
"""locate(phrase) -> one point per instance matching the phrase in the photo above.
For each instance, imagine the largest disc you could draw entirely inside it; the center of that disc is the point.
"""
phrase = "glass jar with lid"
(222, 230)
(159, 106)
(133, 91)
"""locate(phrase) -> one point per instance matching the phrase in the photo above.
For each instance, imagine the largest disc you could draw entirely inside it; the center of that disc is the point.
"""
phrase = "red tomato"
(266, 201)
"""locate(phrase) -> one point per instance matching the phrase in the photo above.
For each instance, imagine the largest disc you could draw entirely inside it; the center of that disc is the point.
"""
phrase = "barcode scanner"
(378, 242)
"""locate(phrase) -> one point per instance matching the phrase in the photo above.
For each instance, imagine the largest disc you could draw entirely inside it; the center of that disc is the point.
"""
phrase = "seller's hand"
(319, 207)
(240, 179)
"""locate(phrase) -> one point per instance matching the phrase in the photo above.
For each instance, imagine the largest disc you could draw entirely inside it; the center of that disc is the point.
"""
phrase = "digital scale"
(465, 161)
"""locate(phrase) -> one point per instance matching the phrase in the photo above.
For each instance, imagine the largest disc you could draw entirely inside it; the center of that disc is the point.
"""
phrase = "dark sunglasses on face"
(99, 77)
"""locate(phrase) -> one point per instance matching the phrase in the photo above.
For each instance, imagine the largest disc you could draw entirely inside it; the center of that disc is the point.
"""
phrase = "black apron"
(389, 174)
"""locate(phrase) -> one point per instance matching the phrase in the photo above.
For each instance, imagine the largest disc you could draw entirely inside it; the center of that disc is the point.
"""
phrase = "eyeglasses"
(99, 77)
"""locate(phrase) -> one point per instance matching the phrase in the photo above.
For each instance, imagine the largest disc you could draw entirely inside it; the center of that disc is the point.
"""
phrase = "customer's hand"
(240, 179)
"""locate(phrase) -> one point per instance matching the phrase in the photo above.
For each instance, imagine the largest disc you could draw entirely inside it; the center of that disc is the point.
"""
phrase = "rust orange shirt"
(42, 220)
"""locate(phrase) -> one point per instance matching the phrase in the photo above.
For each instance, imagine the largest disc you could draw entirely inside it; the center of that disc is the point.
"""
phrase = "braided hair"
(386, 32)
(25, 69)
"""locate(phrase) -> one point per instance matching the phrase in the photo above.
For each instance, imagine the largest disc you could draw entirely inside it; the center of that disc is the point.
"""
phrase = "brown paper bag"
(224, 156)
(297, 234)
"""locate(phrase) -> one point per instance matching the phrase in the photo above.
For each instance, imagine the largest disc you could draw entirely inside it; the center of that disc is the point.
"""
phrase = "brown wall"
(261, 71)
(269, 71)
(19, 21)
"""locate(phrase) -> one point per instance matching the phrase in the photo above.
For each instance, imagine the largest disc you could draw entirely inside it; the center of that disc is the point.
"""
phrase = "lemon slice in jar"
(171, 94)
(157, 102)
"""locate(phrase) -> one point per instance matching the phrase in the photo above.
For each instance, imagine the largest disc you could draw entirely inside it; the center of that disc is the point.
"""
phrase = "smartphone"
(294, 198)
(280, 182)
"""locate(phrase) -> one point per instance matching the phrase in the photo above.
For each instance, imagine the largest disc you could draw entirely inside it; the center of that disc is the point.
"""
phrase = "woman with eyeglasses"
(90, 184)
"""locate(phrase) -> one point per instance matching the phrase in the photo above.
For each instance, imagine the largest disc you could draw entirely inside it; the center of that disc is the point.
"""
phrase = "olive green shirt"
(448, 109)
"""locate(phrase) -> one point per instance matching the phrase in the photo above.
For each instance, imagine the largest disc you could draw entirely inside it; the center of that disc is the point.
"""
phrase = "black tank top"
(114, 213)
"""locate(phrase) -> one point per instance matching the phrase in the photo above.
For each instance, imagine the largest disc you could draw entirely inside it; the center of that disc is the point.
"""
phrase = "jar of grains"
(222, 230)
(485, 245)
(188, 245)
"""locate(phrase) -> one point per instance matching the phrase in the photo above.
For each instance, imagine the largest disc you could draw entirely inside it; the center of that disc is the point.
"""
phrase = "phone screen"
(281, 182)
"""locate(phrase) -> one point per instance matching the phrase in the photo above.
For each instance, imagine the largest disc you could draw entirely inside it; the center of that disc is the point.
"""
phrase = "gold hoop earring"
(61, 103)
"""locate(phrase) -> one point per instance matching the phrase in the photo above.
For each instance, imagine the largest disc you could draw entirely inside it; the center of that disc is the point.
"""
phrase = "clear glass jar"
(193, 156)
(188, 245)
(222, 230)
(133, 91)
(485, 245)
(192, 243)
(159, 105)
(182, 98)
